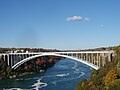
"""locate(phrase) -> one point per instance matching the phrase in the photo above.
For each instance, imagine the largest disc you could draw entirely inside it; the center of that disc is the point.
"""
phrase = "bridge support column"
(103, 59)
(18, 57)
(22, 57)
(15, 59)
(8, 60)
(109, 56)
(92, 58)
(71, 54)
(97, 59)
(4, 57)
(26, 55)
(82, 56)
(87, 58)
(76, 55)
(11, 61)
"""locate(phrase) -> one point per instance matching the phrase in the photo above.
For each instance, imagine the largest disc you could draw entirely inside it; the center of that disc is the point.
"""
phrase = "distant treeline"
(4, 50)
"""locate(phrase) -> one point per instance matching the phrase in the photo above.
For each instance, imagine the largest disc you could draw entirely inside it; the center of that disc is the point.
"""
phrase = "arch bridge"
(94, 59)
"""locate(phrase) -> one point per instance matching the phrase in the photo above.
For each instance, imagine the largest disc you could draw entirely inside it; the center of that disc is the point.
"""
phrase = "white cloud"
(77, 18)
(74, 18)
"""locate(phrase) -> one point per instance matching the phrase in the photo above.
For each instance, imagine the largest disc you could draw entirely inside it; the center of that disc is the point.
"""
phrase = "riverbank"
(40, 64)
(106, 78)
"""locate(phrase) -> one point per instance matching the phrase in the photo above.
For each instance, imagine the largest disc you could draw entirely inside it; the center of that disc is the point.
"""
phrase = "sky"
(59, 24)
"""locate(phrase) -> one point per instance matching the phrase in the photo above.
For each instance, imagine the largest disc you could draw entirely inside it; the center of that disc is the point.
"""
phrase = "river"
(64, 75)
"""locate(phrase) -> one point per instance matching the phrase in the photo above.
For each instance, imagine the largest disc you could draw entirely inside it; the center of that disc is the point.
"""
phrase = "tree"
(5, 70)
(110, 78)
(83, 85)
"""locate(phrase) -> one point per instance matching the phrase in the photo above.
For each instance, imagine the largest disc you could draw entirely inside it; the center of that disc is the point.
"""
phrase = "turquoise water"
(64, 75)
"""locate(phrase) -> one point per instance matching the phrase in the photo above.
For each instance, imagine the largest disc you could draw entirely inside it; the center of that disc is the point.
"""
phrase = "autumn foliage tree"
(107, 77)
(110, 78)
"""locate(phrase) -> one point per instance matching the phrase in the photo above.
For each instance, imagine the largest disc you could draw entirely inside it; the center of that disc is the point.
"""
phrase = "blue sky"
(59, 24)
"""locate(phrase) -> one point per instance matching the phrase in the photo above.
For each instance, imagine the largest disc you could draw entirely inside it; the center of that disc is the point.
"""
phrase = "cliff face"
(106, 78)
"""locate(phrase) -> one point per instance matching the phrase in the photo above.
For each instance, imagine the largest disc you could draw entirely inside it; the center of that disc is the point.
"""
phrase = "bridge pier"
(94, 60)
(103, 59)
(109, 57)
(97, 59)
(84, 58)
(11, 60)
(89, 58)
(8, 60)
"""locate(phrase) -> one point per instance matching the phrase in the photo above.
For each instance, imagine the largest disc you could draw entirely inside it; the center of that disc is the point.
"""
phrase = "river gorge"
(64, 75)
